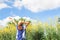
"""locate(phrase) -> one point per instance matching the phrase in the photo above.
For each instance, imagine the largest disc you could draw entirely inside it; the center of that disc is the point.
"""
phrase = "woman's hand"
(27, 23)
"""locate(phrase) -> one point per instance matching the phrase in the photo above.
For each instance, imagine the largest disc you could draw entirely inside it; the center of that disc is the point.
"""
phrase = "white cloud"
(17, 4)
(6, 20)
(1, 1)
(39, 5)
(8, 0)
(16, 17)
(3, 5)
(32, 5)
(0, 22)
(27, 18)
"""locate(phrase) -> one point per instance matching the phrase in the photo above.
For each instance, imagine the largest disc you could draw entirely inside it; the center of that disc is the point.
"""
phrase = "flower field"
(36, 31)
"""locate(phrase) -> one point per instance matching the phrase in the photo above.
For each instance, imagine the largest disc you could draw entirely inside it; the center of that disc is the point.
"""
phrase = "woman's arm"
(13, 20)
(27, 23)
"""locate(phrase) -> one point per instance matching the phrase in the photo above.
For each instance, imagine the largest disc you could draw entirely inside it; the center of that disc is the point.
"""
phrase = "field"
(35, 31)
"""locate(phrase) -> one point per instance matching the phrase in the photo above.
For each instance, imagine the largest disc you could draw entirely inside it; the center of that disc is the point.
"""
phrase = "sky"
(35, 9)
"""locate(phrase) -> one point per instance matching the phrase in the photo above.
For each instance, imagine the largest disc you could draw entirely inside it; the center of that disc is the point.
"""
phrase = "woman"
(21, 28)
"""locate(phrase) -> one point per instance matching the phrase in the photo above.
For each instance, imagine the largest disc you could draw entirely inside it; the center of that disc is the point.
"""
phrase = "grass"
(36, 31)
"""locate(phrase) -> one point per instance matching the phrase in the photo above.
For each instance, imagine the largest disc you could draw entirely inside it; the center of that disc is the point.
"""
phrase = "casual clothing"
(20, 34)
(24, 31)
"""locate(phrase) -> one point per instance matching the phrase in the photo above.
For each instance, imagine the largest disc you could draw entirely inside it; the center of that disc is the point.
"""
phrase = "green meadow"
(34, 31)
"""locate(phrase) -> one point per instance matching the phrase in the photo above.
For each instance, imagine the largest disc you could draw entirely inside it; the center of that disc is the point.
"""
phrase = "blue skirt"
(19, 35)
